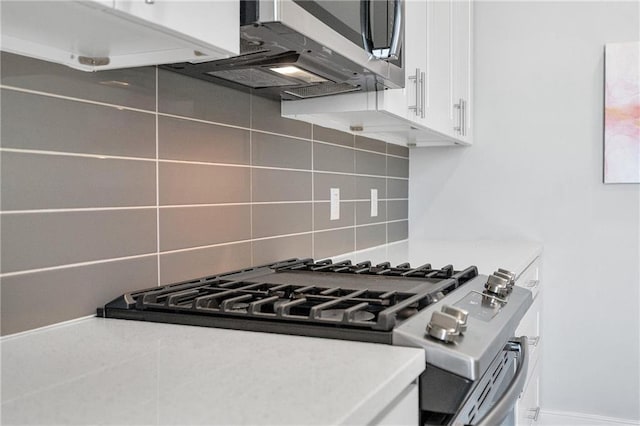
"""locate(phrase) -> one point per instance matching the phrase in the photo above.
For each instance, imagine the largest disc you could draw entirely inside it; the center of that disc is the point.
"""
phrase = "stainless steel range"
(464, 321)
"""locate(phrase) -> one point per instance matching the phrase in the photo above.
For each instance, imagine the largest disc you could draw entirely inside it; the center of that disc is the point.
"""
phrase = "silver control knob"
(497, 285)
(443, 327)
(460, 314)
(503, 273)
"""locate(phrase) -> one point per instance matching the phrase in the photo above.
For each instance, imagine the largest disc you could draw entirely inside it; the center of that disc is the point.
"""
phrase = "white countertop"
(108, 371)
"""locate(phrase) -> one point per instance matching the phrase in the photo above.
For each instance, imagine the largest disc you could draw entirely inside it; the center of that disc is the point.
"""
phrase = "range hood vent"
(322, 90)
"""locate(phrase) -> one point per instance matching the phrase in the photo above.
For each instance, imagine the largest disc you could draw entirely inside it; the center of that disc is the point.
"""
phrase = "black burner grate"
(299, 291)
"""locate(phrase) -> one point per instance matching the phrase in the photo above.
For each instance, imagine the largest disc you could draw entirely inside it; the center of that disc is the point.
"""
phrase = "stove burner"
(315, 298)
(338, 314)
(239, 306)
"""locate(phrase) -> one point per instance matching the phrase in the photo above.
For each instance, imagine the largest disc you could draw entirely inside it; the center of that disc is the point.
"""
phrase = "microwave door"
(374, 26)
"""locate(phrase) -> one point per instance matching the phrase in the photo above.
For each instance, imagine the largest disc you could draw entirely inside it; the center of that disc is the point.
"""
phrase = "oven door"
(493, 400)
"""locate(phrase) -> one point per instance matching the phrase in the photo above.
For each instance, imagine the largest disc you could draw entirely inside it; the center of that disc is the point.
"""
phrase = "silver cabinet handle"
(533, 283)
(463, 117)
(149, 1)
(458, 128)
(423, 93)
(535, 412)
(533, 341)
(416, 79)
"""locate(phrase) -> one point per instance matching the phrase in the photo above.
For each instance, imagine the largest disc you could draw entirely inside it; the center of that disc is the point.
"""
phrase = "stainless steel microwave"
(296, 49)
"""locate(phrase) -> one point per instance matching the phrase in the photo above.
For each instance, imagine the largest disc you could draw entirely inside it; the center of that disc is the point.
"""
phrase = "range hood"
(279, 59)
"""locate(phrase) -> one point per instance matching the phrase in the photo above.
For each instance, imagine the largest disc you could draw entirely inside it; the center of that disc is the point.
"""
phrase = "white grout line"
(185, 206)
(72, 209)
(251, 257)
(71, 98)
(75, 265)
(75, 154)
(202, 163)
(157, 183)
(313, 199)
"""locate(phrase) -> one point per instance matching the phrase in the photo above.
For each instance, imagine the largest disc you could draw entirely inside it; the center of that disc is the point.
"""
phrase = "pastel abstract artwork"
(622, 113)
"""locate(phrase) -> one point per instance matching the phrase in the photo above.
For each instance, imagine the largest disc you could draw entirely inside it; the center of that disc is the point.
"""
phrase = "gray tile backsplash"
(108, 187)
(40, 240)
(332, 158)
(193, 98)
(182, 184)
(88, 129)
(197, 226)
(132, 87)
(189, 140)
(60, 181)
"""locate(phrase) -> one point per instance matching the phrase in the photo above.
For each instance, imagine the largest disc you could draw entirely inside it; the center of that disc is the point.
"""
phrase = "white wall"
(535, 172)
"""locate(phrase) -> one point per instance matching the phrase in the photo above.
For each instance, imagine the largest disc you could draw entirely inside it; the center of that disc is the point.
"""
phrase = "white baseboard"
(561, 418)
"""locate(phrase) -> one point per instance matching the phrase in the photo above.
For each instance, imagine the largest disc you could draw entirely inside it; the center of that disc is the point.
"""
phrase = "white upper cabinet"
(435, 106)
(100, 34)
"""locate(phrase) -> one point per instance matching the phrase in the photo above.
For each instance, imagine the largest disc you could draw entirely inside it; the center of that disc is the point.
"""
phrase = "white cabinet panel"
(437, 54)
(530, 326)
(528, 408)
(97, 35)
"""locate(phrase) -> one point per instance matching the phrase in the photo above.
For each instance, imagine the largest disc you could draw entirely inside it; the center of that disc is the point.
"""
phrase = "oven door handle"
(501, 408)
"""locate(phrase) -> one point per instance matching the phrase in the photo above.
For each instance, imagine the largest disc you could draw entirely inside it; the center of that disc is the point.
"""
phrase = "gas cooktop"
(299, 296)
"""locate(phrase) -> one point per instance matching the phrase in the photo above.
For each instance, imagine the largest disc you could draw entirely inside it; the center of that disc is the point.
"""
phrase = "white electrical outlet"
(374, 202)
(335, 204)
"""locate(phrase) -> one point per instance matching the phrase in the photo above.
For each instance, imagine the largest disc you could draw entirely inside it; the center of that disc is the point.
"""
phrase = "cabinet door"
(215, 23)
(528, 405)
(409, 102)
(461, 68)
(438, 113)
